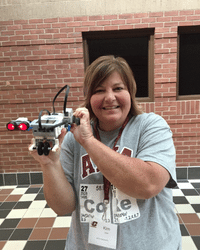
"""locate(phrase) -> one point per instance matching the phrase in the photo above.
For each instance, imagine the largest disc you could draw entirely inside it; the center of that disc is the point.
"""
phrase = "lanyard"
(105, 181)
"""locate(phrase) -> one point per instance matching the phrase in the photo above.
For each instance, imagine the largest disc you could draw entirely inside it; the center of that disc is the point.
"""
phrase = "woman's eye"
(98, 91)
(118, 88)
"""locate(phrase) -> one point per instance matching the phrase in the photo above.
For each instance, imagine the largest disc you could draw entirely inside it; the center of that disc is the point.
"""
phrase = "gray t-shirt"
(143, 224)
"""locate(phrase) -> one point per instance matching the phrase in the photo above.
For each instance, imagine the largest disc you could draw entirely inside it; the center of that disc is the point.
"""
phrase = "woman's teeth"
(107, 108)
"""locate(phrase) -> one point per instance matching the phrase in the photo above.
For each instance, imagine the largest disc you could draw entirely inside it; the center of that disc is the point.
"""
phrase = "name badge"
(103, 234)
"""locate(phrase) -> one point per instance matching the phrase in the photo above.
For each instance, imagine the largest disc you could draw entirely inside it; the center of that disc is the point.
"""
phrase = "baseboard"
(188, 172)
(7, 179)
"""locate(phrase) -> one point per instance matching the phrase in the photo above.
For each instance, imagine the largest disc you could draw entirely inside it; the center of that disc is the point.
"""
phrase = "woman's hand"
(82, 132)
(53, 157)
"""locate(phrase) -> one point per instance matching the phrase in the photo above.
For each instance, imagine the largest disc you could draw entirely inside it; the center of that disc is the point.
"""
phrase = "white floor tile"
(16, 213)
(38, 204)
(184, 208)
(177, 192)
(62, 221)
(11, 245)
(193, 199)
(8, 187)
(194, 180)
(188, 244)
(183, 185)
(48, 212)
(33, 213)
(28, 197)
(19, 191)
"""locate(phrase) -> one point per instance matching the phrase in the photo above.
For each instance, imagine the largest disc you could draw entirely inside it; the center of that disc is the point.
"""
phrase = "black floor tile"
(196, 240)
(180, 200)
(184, 231)
(23, 204)
(189, 192)
(55, 244)
(196, 207)
(4, 213)
(21, 234)
(39, 197)
(5, 234)
(196, 185)
(32, 191)
(22, 186)
(10, 223)
(8, 205)
(35, 245)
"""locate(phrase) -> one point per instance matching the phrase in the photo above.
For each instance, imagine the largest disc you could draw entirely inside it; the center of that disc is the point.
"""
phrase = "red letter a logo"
(87, 167)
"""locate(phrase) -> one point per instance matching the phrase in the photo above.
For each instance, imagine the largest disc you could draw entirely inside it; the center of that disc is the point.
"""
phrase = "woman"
(115, 169)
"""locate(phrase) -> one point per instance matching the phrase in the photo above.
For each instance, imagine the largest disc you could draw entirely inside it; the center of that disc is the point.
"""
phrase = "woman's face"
(111, 102)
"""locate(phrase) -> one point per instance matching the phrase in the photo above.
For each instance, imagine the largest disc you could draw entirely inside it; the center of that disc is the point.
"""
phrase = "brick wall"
(38, 56)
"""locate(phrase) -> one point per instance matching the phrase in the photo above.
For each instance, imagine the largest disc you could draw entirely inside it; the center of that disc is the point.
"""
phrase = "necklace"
(105, 181)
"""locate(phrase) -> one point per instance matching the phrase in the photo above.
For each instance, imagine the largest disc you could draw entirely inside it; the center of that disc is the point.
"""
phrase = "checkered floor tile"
(27, 223)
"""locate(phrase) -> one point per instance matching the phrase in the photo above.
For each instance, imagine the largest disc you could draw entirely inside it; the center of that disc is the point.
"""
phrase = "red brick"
(125, 16)
(114, 27)
(156, 14)
(133, 21)
(110, 17)
(66, 19)
(125, 27)
(103, 23)
(29, 26)
(186, 23)
(43, 26)
(141, 26)
(171, 13)
(94, 18)
(51, 20)
(117, 22)
(148, 20)
(141, 15)
(194, 17)
(88, 23)
(186, 12)
(74, 24)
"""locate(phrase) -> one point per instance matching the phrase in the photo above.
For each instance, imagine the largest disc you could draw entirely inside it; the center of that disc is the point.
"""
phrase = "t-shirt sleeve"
(67, 157)
(156, 145)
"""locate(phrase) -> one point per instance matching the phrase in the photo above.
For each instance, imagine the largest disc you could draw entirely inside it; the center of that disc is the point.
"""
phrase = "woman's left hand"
(82, 132)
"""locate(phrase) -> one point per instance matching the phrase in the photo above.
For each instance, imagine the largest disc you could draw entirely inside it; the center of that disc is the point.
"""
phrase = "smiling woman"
(115, 169)
(111, 102)
(122, 79)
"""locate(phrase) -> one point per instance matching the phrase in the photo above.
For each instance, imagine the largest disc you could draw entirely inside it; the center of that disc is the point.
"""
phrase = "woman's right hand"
(53, 157)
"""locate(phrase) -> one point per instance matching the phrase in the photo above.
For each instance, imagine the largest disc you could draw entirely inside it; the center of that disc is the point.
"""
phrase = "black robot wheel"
(46, 148)
(40, 148)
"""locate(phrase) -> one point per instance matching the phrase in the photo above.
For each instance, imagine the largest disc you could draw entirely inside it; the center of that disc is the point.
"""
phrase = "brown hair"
(101, 69)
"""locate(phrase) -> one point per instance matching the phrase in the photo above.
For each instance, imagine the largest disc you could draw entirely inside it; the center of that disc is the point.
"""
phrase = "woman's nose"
(109, 96)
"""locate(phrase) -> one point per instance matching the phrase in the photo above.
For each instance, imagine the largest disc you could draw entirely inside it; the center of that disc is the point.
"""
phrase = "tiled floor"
(27, 223)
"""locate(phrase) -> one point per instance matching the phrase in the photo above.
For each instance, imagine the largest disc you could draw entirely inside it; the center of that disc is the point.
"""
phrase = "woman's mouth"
(110, 108)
